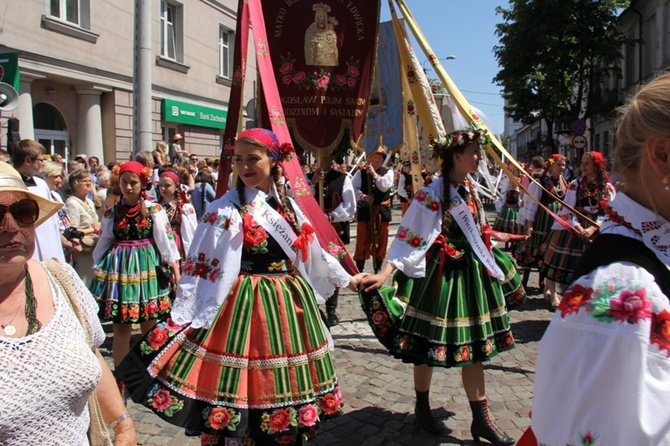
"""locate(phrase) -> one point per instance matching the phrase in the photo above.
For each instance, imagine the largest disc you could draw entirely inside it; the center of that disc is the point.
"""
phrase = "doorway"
(51, 131)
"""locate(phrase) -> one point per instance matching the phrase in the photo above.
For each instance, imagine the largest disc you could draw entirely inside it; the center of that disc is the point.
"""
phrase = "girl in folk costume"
(538, 222)
(180, 213)
(508, 205)
(245, 357)
(588, 194)
(135, 238)
(448, 305)
(603, 364)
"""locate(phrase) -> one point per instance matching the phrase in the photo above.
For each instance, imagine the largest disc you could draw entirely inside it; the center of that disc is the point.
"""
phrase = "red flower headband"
(139, 169)
(598, 159)
(173, 176)
(280, 152)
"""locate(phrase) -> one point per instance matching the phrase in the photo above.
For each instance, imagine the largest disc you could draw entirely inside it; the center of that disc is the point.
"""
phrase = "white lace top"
(47, 377)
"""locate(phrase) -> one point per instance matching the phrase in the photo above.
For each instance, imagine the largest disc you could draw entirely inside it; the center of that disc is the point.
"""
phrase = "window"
(169, 31)
(225, 55)
(75, 12)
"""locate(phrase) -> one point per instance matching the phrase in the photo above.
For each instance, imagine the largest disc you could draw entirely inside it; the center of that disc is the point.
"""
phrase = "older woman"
(47, 369)
(83, 216)
(603, 365)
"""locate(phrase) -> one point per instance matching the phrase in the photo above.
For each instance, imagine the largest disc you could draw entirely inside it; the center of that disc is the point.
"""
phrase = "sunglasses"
(25, 212)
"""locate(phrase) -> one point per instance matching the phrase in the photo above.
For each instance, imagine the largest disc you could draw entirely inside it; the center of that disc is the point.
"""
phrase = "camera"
(71, 232)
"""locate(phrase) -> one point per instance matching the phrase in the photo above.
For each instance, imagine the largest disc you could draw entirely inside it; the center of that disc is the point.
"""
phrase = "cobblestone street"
(378, 390)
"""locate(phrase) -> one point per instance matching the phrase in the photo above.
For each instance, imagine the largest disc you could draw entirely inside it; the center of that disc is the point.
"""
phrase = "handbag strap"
(57, 270)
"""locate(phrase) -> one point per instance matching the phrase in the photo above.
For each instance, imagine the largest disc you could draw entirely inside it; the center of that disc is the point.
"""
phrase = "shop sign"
(192, 114)
(9, 70)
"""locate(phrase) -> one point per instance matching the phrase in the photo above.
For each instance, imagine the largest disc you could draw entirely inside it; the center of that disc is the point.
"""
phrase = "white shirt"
(47, 235)
(601, 370)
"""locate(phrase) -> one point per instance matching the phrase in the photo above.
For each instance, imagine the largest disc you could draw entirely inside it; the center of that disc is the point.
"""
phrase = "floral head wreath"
(266, 138)
(459, 139)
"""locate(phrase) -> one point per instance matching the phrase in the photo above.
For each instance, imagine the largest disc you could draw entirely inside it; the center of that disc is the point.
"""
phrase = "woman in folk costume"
(508, 204)
(245, 357)
(448, 305)
(603, 365)
(135, 238)
(181, 214)
(588, 195)
(537, 221)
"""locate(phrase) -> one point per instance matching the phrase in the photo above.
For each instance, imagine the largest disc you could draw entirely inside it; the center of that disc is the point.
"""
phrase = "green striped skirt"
(506, 219)
(454, 316)
(530, 253)
(125, 284)
(262, 371)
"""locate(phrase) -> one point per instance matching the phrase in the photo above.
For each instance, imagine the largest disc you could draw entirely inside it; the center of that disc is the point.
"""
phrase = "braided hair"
(447, 157)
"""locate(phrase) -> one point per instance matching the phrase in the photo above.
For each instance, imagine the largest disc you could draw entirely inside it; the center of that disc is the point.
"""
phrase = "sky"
(464, 29)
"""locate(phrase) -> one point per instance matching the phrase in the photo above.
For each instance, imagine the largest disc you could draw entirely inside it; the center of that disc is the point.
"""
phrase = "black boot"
(360, 264)
(425, 417)
(526, 275)
(377, 265)
(484, 428)
(331, 306)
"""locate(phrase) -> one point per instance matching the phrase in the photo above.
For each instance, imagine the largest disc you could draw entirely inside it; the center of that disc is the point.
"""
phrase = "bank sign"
(192, 114)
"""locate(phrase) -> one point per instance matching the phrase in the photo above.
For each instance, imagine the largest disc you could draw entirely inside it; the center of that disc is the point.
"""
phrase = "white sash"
(460, 211)
(276, 225)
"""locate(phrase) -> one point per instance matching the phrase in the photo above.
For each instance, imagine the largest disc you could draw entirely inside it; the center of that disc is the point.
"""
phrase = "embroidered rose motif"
(353, 71)
(308, 415)
(631, 306)
(219, 418)
(402, 234)
(286, 68)
(253, 234)
(329, 404)
(143, 223)
(576, 297)
(211, 218)
(434, 206)
(660, 330)
(161, 400)
(465, 354)
(440, 354)
(415, 242)
(508, 340)
(379, 318)
(421, 196)
(280, 420)
(285, 439)
(338, 394)
(122, 224)
(152, 307)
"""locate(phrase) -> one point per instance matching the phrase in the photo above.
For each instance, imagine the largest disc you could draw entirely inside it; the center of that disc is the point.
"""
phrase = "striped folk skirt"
(530, 255)
(562, 254)
(125, 284)
(263, 371)
(506, 219)
(454, 316)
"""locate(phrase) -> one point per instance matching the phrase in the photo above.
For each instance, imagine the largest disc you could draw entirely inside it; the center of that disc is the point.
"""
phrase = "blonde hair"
(646, 114)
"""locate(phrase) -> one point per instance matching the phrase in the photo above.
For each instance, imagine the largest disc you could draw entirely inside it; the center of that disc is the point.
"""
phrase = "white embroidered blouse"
(47, 377)
(603, 365)
(219, 239)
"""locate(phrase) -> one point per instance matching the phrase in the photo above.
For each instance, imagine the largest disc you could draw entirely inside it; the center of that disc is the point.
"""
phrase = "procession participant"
(180, 213)
(135, 239)
(405, 188)
(508, 204)
(603, 365)
(339, 204)
(373, 186)
(588, 194)
(447, 307)
(537, 221)
(245, 358)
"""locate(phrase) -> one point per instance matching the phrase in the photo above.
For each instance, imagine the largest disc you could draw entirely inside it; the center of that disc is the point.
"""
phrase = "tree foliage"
(554, 56)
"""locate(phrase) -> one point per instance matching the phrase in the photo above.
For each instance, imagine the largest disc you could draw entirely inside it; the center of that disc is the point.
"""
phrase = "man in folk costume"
(339, 204)
(373, 186)
(405, 189)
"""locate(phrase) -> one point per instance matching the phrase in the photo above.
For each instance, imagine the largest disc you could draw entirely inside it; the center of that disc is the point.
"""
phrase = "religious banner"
(323, 57)
(385, 121)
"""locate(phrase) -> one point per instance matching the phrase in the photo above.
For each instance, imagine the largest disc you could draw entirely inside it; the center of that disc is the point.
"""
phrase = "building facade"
(79, 71)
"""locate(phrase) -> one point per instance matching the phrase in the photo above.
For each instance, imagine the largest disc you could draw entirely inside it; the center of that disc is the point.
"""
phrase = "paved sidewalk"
(378, 390)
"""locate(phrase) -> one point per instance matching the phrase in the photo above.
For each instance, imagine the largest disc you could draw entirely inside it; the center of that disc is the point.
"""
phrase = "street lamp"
(450, 57)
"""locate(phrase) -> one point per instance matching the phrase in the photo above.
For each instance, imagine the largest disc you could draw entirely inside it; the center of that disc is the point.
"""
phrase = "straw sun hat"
(10, 181)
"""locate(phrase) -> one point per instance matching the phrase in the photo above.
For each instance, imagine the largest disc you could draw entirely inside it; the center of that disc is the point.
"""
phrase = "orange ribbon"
(304, 239)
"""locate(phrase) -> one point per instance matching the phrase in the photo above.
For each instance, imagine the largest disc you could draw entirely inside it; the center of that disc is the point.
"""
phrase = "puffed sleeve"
(106, 235)
(205, 283)
(189, 221)
(163, 236)
(530, 204)
(347, 208)
(418, 230)
(385, 182)
(563, 212)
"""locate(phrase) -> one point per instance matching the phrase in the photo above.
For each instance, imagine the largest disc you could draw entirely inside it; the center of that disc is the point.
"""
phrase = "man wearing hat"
(28, 159)
(405, 190)
(373, 187)
(339, 204)
(177, 151)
